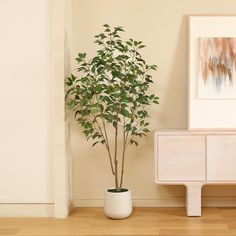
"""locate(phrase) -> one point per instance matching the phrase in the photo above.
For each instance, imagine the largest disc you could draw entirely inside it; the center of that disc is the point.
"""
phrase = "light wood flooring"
(142, 222)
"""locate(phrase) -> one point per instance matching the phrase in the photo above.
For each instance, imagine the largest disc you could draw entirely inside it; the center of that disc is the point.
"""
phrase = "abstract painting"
(217, 68)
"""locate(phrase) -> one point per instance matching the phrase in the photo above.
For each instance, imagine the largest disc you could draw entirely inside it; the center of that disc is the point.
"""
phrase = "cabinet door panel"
(181, 157)
(221, 157)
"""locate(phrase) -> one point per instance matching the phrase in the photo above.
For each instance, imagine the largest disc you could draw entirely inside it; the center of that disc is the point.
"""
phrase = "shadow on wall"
(67, 70)
(175, 103)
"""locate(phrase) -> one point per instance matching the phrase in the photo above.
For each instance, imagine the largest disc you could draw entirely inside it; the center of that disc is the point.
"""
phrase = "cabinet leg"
(193, 199)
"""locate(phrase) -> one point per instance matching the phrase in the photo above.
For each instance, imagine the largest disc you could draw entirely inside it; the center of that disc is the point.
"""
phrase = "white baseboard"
(176, 202)
(219, 201)
(47, 210)
(173, 202)
(70, 207)
(26, 210)
(88, 203)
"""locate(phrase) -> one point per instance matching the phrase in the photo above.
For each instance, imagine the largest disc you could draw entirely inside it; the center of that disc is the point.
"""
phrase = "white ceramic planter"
(118, 205)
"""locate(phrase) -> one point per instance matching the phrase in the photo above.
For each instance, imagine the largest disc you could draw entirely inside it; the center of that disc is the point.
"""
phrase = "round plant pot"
(118, 205)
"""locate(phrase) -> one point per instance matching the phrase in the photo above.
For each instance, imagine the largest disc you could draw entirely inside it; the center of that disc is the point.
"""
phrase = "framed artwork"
(212, 72)
(217, 68)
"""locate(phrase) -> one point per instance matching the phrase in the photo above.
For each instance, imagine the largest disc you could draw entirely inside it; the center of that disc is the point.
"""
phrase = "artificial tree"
(109, 96)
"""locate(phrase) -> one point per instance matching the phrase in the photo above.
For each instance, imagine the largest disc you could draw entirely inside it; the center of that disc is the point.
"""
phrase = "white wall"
(25, 102)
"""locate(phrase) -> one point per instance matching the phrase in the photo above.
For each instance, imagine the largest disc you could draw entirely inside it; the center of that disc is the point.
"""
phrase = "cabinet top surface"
(195, 132)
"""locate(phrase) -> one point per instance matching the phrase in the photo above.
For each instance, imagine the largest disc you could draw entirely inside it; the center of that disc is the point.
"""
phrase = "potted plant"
(109, 96)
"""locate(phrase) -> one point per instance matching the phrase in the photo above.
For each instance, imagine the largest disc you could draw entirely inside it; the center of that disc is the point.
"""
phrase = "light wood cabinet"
(181, 157)
(221, 157)
(194, 159)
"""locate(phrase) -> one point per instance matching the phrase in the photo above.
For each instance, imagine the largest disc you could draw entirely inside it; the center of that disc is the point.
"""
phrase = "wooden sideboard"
(194, 159)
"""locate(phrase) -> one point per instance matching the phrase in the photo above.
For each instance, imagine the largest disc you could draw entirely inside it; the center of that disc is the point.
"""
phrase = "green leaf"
(124, 112)
(129, 43)
(119, 28)
(78, 59)
(153, 67)
(95, 143)
(73, 77)
(142, 122)
(128, 127)
(134, 142)
(141, 60)
(99, 42)
(69, 82)
(141, 46)
(146, 130)
(82, 55)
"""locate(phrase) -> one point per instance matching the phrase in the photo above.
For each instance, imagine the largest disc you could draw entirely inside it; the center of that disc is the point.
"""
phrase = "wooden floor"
(142, 222)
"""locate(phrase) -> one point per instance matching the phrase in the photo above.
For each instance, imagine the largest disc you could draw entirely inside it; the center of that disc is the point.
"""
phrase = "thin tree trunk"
(108, 148)
(116, 161)
(122, 166)
(123, 155)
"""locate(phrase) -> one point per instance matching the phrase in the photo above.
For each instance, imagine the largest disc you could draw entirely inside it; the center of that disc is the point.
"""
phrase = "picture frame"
(212, 72)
